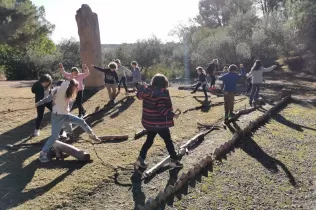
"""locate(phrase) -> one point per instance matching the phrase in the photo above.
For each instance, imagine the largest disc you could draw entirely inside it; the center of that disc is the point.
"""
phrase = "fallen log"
(140, 134)
(114, 137)
(182, 151)
(61, 147)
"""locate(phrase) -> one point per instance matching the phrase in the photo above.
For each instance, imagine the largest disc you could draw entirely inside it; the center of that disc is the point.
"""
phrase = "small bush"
(295, 63)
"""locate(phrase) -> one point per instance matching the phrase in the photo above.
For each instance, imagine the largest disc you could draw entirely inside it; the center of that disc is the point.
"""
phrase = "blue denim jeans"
(255, 92)
(58, 121)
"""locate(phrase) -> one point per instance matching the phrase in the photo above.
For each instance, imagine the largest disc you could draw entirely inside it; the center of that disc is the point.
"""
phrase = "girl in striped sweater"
(157, 117)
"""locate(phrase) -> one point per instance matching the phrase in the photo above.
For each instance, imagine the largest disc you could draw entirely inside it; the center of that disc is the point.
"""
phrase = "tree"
(69, 50)
(147, 52)
(22, 22)
(211, 13)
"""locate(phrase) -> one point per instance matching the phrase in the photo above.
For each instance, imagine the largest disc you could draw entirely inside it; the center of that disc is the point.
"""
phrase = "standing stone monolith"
(90, 44)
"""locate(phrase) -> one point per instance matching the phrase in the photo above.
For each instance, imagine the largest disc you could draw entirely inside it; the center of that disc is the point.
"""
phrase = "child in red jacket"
(157, 117)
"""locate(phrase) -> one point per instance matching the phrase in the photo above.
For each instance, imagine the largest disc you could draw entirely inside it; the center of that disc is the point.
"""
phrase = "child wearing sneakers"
(121, 72)
(157, 117)
(256, 75)
(230, 80)
(62, 96)
(79, 77)
(137, 77)
(41, 90)
(110, 79)
(202, 82)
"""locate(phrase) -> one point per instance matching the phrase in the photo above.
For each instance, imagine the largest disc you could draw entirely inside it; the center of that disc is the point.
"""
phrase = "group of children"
(230, 76)
(157, 112)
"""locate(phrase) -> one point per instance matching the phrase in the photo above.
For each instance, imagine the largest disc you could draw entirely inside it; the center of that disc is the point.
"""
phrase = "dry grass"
(26, 184)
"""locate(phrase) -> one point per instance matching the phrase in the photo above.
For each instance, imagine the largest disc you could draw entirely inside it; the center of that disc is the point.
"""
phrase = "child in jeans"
(202, 81)
(157, 117)
(62, 96)
(230, 80)
(256, 75)
(41, 90)
(137, 77)
(121, 72)
(79, 77)
(110, 79)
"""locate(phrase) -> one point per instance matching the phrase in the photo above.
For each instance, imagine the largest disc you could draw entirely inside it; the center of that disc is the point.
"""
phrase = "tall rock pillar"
(90, 44)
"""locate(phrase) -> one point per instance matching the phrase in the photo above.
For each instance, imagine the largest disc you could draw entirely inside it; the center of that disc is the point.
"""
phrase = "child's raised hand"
(60, 65)
(84, 66)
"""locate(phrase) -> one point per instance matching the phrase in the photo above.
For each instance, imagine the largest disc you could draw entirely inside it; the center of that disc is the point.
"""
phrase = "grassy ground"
(27, 184)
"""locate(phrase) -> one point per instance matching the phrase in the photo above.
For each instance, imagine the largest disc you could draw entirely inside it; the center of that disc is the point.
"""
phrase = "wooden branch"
(140, 134)
(183, 149)
(70, 150)
(114, 137)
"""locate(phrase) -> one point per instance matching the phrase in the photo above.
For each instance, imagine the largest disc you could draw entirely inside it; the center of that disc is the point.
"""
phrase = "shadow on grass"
(12, 192)
(139, 196)
(125, 104)
(250, 147)
(280, 119)
(108, 109)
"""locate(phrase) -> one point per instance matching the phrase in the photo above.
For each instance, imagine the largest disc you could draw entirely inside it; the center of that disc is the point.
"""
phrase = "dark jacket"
(211, 69)
(38, 90)
(202, 77)
(157, 108)
(110, 77)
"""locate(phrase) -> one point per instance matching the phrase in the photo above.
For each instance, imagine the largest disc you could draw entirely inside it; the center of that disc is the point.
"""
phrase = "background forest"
(234, 31)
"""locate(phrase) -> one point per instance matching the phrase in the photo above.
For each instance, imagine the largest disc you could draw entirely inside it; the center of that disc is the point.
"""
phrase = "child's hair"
(134, 63)
(232, 68)
(45, 78)
(257, 65)
(160, 80)
(117, 61)
(70, 93)
(225, 68)
(75, 69)
(215, 60)
(200, 69)
(112, 65)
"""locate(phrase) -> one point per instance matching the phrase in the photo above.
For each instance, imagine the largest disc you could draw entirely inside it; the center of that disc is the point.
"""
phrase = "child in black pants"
(157, 117)
(41, 89)
(202, 81)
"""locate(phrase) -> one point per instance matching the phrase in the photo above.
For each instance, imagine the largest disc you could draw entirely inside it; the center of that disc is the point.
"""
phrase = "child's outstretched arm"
(86, 71)
(140, 93)
(269, 69)
(49, 98)
(249, 74)
(98, 68)
(63, 72)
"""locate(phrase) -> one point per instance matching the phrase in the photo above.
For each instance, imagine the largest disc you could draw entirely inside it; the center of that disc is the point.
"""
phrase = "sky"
(121, 21)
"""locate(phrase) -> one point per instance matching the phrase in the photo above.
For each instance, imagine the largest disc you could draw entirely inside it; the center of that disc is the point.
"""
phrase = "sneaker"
(36, 133)
(84, 112)
(140, 162)
(43, 157)
(95, 138)
(175, 163)
(192, 92)
(212, 88)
